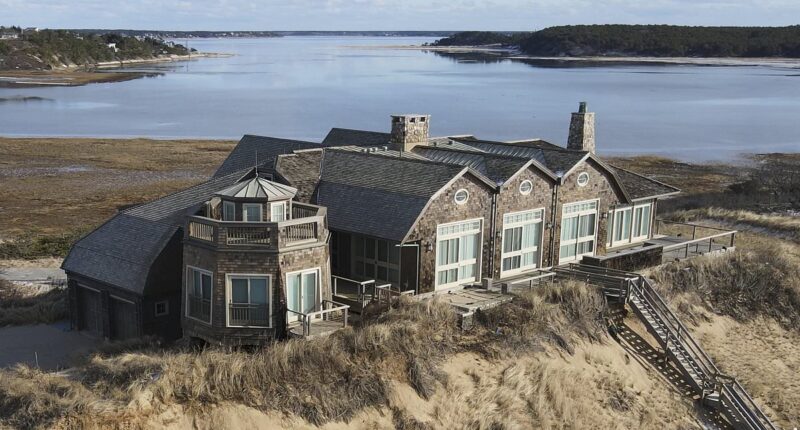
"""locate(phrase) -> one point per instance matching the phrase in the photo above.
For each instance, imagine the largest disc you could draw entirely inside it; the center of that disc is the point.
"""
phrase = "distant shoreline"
(97, 73)
(513, 54)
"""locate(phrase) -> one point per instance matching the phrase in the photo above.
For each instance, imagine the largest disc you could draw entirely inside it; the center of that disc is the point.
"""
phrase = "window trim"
(232, 206)
(529, 182)
(635, 224)
(583, 174)
(455, 196)
(211, 308)
(229, 296)
(577, 240)
(457, 265)
(272, 206)
(166, 308)
(260, 207)
(537, 248)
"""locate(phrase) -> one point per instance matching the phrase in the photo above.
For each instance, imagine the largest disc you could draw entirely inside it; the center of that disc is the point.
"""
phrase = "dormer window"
(252, 212)
(228, 211)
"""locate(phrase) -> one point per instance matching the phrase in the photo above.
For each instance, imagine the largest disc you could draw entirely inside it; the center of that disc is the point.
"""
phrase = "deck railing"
(360, 291)
(245, 314)
(704, 239)
(385, 295)
(199, 308)
(331, 312)
(274, 235)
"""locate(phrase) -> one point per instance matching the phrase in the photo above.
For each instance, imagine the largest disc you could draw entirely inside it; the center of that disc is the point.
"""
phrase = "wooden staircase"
(714, 389)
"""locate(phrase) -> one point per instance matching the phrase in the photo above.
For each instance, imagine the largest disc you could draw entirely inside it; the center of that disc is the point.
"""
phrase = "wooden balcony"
(248, 315)
(308, 226)
(330, 318)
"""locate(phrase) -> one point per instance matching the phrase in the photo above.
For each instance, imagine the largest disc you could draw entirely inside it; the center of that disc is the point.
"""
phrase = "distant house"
(8, 35)
(113, 46)
(31, 30)
(286, 232)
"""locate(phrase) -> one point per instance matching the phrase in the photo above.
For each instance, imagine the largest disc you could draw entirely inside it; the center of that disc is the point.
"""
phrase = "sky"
(510, 15)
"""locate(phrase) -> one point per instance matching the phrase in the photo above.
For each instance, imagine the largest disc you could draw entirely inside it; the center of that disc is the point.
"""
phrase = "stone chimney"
(581, 130)
(409, 131)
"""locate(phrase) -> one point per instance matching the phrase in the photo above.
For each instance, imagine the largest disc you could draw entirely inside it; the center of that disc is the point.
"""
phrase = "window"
(525, 187)
(578, 227)
(278, 212)
(522, 233)
(249, 301)
(162, 308)
(583, 179)
(198, 294)
(252, 212)
(630, 224)
(458, 246)
(461, 196)
(228, 211)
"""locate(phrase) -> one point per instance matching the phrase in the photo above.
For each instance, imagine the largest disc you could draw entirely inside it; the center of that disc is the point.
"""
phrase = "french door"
(578, 231)
(302, 293)
(458, 247)
(522, 234)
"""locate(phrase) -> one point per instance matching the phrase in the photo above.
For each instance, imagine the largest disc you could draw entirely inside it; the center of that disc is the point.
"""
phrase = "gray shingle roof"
(121, 251)
(378, 195)
(639, 186)
(259, 188)
(264, 148)
(346, 136)
(556, 159)
(496, 167)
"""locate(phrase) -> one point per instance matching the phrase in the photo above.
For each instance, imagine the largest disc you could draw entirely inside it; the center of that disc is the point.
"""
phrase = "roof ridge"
(389, 157)
(476, 152)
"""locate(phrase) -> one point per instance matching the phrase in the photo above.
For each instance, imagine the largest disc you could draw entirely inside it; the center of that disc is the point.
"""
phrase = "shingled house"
(251, 253)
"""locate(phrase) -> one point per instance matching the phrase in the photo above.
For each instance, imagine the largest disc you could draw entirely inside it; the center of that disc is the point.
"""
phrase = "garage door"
(89, 311)
(123, 319)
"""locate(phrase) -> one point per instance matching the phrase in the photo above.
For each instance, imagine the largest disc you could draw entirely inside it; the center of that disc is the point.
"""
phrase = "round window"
(461, 196)
(583, 179)
(525, 187)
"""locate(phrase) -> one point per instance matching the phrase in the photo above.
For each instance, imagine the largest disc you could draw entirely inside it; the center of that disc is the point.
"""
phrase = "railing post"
(345, 318)
(694, 232)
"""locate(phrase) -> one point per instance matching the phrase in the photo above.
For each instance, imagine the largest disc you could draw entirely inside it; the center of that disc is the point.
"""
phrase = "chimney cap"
(582, 107)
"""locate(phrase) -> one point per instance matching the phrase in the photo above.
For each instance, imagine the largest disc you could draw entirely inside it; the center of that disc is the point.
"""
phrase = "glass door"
(302, 293)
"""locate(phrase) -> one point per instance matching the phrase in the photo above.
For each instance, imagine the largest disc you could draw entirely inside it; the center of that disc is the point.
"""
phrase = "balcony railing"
(199, 308)
(332, 317)
(274, 235)
(244, 314)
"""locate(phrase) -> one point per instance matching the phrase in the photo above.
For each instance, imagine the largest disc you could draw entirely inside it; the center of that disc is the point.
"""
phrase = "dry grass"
(322, 380)
(17, 308)
(52, 186)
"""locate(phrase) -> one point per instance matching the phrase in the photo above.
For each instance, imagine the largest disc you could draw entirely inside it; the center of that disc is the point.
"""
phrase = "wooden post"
(345, 317)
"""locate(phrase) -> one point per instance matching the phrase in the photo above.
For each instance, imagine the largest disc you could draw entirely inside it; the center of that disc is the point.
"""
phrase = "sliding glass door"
(302, 293)
(522, 234)
(458, 246)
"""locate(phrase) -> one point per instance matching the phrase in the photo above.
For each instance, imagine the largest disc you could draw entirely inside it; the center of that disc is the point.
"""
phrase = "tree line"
(642, 40)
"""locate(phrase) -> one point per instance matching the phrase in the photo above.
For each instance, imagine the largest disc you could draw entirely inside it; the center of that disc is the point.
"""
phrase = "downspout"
(553, 225)
(492, 234)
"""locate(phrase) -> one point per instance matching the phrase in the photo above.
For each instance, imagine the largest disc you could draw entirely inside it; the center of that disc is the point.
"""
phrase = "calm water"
(299, 87)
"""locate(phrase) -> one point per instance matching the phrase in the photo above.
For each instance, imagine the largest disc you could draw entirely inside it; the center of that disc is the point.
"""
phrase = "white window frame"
(633, 228)
(211, 308)
(246, 206)
(460, 263)
(229, 205)
(521, 224)
(466, 199)
(273, 206)
(229, 296)
(166, 307)
(579, 239)
(317, 292)
(529, 182)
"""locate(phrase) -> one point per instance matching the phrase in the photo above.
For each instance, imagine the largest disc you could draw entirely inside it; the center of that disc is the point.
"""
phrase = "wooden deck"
(317, 329)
